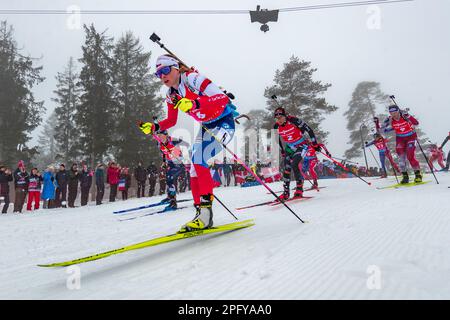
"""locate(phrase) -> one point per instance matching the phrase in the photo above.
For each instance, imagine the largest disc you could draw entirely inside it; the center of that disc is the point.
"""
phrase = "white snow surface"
(354, 229)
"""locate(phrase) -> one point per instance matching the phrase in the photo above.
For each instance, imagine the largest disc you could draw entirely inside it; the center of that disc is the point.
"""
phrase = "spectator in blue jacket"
(50, 185)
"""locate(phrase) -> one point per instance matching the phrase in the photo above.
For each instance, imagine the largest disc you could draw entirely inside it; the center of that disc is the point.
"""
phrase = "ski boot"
(418, 177)
(315, 184)
(173, 200)
(405, 178)
(286, 193)
(165, 200)
(298, 190)
(204, 216)
(285, 196)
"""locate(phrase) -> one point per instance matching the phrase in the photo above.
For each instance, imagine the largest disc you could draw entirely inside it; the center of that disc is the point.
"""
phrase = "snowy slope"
(404, 233)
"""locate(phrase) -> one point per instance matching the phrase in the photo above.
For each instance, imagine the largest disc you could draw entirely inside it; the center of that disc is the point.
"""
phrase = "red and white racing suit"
(213, 109)
(405, 140)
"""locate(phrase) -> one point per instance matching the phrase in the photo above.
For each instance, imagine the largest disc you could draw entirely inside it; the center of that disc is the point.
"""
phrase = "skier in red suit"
(405, 137)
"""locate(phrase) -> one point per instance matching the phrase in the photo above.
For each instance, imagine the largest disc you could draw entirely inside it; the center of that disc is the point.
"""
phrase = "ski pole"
(275, 98)
(180, 159)
(343, 167)
(223, 205)
(251, 172)
(154, 37)
(389, 156)
(374, 158)
(428, 161)
(305, 178)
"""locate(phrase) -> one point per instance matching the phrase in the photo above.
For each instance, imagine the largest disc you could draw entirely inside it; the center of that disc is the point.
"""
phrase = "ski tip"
(48, 265)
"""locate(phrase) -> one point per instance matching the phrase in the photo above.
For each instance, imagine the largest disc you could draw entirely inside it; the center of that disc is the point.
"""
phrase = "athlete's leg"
(383, 161)
(312, 169)
(400, 148)
(441, 160)
(411, 154)
(296, 161)
(206, 146)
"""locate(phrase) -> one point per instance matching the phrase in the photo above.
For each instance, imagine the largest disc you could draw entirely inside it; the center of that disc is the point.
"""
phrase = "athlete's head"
(377, 136)
(168, 70)
(280, 115)
(394, 110)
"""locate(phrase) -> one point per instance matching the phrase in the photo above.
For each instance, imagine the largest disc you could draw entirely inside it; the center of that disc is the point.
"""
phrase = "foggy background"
(408, 54)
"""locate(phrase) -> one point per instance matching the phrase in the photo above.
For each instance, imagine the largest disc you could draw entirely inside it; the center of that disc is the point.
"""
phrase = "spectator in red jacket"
(112, 177)
(34, 189)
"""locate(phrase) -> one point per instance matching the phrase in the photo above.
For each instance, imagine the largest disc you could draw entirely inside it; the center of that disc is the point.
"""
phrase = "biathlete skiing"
(436, 154)
(310, 162)
(405, 137)
(172, 156)
(194, 94)
(383, 151)
(291, 131)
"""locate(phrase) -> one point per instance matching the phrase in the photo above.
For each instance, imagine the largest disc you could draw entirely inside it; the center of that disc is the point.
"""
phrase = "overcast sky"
(409, 54)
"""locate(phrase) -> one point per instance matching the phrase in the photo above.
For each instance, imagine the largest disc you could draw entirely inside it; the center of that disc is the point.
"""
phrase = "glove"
(366, 143)
(147, 127)
(317, 147)
(229, 94)
(283, 154)
(184, 105)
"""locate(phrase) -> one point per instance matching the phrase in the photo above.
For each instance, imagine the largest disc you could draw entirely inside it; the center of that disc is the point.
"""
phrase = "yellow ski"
(154, 242)
(399, 185)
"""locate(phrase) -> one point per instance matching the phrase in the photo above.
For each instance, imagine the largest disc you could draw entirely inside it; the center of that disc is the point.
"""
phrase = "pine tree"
(136, 94)
(67, 100)
(95, 112)
(300, 95)
(47, 149)
(20, 112)
(366, 98)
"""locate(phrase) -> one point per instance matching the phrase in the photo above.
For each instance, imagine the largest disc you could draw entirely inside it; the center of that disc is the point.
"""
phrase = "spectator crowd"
(60, 187)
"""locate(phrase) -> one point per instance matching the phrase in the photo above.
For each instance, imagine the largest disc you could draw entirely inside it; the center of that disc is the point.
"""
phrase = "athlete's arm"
(304, 128)
(212, 98)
